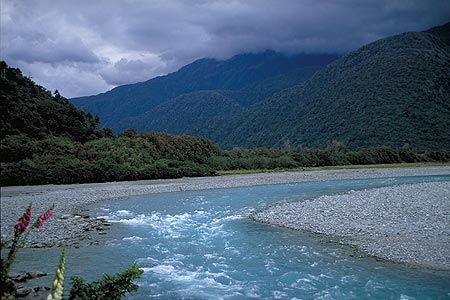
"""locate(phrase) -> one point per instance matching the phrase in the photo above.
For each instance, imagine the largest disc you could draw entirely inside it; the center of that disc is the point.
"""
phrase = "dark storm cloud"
(38, 48)
(84, 47)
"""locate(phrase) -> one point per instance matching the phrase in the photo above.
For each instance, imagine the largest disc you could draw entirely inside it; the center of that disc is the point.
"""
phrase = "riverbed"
(196, 241)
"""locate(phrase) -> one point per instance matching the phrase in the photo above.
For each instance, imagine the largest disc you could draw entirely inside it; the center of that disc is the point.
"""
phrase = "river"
(201, 245)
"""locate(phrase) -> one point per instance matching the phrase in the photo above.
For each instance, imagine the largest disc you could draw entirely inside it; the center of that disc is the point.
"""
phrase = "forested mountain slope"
(241, 72)
(192, 112)
(45, 139)
(29, 109)
(390, 92)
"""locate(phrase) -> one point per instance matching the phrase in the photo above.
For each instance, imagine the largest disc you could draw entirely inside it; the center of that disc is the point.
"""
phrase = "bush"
(17, 147)
(407, 155)
(110, 287)
(439, 156)
(374, 155)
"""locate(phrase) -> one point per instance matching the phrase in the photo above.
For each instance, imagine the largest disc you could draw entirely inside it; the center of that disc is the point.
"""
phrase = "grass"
(303, 169)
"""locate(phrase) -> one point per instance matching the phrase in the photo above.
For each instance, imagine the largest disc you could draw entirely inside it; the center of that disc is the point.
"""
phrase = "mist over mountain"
(390, 92)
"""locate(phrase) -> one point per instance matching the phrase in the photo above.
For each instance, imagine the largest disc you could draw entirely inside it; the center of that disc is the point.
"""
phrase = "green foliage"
(336, 154)
(7, 286)
(407, 155)
(29, 109)
(17, 147)
(374, 155)
(390, 92)
(204, 90)
(146, 156)
(110, 287)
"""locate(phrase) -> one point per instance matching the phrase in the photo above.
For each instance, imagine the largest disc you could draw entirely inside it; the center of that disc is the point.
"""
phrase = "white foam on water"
(146, 263)
(123, 213)
(348, 279)
(279, 295)
(137, 220)
(133, 238)
(228, 218)
(406, 297)
(373, 285)
(202, 253)
(163, 269)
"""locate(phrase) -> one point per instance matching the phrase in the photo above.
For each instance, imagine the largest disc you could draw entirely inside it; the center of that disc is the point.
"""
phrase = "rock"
(35, 293)
(23, 291)
(64, 217)
(18, 277)
(37, 274)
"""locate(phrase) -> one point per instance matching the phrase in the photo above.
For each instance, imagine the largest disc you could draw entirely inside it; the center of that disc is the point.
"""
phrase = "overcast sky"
(84, 47)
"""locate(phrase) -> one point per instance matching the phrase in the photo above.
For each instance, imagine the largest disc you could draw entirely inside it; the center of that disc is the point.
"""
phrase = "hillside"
(189, 113)
(45, 139)
(186, 112)
(29, 109)
(390, 92)
(123, 106)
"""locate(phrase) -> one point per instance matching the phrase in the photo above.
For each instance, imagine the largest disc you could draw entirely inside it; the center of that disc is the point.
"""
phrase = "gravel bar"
(408, 223)
(72, 222)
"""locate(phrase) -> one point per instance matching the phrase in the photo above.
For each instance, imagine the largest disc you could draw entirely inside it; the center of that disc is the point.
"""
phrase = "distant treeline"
(131, 156)
(336, 154)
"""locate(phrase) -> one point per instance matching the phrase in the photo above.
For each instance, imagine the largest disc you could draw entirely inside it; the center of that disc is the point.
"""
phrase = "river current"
(202, 245)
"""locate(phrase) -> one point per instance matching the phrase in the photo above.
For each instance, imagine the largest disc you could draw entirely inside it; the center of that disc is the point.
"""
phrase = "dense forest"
(390, 92)
(247, 79)
(45, 139)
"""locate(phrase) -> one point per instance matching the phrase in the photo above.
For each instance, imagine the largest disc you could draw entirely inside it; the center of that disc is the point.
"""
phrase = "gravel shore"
(407, 223)
(72, 222)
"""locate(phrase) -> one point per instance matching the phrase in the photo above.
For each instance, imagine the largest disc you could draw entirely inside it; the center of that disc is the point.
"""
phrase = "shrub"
(109, 287)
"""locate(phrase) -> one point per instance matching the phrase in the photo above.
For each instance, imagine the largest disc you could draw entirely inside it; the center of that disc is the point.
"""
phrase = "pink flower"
(43, 217)
(23, 222)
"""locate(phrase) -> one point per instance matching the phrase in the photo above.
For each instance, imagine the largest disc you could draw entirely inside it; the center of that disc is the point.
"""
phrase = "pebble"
(407, 223)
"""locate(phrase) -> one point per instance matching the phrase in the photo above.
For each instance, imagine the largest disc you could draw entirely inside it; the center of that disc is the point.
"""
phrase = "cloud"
(84, 47)
(130, 71)
(39, 48)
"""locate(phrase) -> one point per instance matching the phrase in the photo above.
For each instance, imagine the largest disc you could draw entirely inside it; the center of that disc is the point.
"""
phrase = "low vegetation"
(111, 287)
(132, 156)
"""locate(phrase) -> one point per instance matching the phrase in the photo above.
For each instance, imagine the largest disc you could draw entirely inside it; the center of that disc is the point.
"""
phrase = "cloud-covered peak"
(86, 47)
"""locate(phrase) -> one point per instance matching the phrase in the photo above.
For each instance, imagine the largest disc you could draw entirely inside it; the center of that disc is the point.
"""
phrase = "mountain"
(390, 92)
(186, 112)
(121, 107)
(189, 113)
(29, 109)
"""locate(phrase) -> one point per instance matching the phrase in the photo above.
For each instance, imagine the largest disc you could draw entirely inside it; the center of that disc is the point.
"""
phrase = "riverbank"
(406, 223)
(72, 223)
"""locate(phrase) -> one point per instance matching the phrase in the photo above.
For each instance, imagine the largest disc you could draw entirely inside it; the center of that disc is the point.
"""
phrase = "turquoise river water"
(201, 245)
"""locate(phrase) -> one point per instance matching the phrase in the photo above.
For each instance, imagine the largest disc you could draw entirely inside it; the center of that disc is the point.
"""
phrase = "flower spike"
(43, 217)
(57, 286)
(23, 222)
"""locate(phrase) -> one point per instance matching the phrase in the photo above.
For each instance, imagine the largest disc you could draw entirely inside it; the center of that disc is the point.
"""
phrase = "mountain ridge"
(373, 96)
(236, 73)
